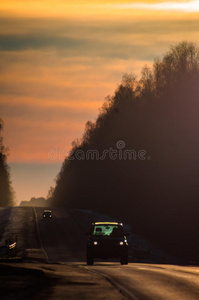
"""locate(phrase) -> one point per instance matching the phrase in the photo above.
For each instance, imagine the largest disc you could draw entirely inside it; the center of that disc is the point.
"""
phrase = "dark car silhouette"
(107, 240)
(47, 214)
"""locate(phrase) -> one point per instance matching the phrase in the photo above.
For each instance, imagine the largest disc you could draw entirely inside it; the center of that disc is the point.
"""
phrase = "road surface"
(58, 248)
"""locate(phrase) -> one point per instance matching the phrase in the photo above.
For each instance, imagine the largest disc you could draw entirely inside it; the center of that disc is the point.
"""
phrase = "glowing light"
(191, 6)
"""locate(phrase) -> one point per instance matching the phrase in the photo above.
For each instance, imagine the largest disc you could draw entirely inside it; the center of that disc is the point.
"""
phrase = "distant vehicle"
(47, 214)
(107, 240)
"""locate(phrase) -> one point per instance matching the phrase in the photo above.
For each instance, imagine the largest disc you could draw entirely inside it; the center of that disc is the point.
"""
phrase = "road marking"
(38, 234)
(115, 284)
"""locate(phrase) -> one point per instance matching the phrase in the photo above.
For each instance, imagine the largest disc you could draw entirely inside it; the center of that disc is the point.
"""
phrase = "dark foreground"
(52, 264)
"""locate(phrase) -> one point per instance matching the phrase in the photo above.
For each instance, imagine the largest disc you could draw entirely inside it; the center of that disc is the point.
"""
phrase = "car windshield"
(108, 230)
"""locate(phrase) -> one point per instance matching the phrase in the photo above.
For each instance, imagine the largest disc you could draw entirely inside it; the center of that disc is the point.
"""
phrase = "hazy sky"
(60, 59)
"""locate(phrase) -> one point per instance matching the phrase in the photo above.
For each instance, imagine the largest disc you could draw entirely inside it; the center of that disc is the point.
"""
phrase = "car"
(107, 240)
(47, 214)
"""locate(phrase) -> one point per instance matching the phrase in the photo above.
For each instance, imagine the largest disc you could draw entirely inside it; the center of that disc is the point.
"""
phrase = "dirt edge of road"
(19, 282)
(53, 281)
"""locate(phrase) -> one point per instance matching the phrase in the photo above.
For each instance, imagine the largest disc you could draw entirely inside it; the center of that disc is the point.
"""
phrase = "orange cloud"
(56, 74)
(60, 59)
(92, 9)
(31, 141)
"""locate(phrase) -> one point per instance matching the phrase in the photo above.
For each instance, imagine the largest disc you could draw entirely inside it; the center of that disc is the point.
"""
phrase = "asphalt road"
(147, 281)
(61, 242)
(135, 281)
(62, 238)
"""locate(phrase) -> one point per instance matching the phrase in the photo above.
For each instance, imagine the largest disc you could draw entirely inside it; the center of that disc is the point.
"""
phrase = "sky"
(60, 59)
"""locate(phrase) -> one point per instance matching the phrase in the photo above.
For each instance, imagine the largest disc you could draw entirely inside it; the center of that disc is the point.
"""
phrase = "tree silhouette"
(157, 113)
(6, 191)
(40, 202)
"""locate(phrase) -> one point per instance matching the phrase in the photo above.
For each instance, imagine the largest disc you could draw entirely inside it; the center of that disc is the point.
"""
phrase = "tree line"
(6, 190)
(156, 116)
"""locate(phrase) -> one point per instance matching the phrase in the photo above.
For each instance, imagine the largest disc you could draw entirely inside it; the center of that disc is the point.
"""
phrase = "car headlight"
(125, 242)
(95, 243)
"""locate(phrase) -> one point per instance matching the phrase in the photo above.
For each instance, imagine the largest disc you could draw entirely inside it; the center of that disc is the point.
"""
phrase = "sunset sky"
(60, 59)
